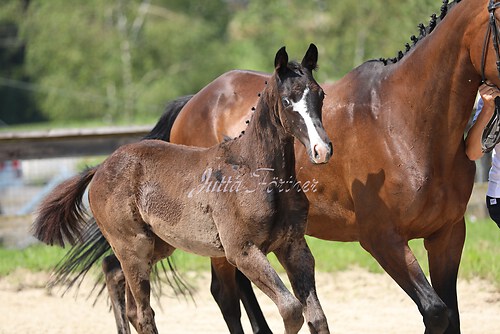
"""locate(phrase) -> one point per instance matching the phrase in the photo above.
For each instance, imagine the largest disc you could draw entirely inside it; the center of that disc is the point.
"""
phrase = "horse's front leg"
(251, 304)
(444, 253)
(253, 263)
(298, 262)
(392, 252)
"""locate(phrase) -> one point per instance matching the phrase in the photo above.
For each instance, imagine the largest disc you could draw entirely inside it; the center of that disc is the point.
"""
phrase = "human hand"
(488, 94)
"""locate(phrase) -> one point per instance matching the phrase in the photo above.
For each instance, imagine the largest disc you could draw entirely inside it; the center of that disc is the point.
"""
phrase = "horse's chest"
(279, 217)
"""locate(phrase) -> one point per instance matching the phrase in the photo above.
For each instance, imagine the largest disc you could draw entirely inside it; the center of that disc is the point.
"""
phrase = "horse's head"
(485, 41)
(301, 100)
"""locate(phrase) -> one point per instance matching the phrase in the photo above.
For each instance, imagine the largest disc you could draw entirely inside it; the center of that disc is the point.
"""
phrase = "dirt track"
(354, 301)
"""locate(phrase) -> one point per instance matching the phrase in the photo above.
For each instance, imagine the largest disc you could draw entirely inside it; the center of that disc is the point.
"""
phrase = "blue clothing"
(493, 192)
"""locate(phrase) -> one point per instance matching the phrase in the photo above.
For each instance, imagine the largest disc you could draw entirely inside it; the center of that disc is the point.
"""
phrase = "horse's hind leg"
(136, 261)
(161, 251)
(115, 283)
(122, 300)
(298, 262)
(444, 253)
(228, 286)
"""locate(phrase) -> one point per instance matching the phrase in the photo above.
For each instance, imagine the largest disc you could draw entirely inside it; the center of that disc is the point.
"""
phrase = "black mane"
(423, 31)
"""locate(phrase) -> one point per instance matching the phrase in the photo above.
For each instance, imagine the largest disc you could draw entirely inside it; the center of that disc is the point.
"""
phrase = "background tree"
(122, 60)
(15, 85)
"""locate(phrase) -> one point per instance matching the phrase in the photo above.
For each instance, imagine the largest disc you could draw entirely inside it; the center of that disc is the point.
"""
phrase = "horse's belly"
(198, 236)
(332, 227)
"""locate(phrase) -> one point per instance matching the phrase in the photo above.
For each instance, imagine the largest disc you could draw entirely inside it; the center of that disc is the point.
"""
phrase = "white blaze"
(301, 108)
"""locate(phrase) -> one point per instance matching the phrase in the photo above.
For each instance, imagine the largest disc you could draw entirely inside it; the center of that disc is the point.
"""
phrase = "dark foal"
(239, 200)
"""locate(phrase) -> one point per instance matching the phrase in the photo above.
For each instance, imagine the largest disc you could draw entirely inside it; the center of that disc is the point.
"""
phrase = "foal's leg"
(136, 260)
(444, 253)
(115, 283)
(122, 301)
(131, 311)
(124, 308)
(252, 307)
(298, 262)
(161, 251)
(228, 286)
(252, 262)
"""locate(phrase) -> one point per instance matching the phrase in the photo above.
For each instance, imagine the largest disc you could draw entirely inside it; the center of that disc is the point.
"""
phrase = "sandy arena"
(354, 301)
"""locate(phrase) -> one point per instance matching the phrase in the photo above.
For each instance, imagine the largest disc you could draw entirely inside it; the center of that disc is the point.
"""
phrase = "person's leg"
(493, 205)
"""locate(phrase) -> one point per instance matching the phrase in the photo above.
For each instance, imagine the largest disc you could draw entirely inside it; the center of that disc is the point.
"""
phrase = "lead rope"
(491, 132)
(483, 56)
(494, 28)
(493, 31)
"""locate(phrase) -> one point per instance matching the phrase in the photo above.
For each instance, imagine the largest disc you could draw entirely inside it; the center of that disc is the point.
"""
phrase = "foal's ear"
(281, 61)
(310, 60)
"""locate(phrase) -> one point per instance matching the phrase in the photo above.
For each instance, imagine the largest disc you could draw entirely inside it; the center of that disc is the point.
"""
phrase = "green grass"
(35, 258)
(481, 257)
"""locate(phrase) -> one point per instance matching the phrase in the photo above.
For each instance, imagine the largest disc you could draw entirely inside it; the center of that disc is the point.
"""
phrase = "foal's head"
(301, 101)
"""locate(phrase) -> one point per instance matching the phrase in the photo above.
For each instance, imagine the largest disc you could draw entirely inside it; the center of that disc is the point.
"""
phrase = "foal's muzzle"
(321, 152)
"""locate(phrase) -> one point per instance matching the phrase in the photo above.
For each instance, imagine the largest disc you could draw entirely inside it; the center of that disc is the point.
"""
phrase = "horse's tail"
(91, 249)
(162, 129)
(61, 216)
(81, 257)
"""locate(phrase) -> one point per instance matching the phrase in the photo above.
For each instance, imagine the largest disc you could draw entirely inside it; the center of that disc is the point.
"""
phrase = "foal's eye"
(286, 102)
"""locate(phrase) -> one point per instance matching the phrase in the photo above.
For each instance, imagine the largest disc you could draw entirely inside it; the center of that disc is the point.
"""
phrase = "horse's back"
(219, 110)
(131, 166)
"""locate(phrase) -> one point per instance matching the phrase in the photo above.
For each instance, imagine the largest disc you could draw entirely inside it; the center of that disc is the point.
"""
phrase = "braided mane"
(423, 31)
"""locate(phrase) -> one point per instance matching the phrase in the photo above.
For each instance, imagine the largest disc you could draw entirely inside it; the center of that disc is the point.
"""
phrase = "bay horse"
(400, 171)
(239, 199)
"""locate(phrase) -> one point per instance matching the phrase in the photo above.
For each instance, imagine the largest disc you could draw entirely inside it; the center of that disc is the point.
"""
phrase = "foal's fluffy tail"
(60, 217)
(91, 250)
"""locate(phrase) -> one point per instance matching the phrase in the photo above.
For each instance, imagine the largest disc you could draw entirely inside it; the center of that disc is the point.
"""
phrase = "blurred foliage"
(17, 104)
(122, 60)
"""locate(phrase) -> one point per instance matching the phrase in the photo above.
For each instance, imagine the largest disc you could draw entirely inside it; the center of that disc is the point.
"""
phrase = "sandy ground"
(354, 301)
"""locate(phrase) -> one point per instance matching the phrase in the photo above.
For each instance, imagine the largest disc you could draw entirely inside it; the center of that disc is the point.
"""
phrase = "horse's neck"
(439, 80)
(266, 142)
